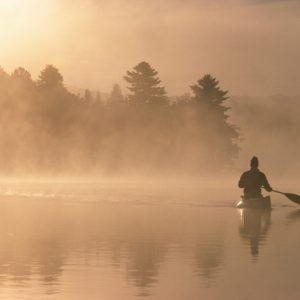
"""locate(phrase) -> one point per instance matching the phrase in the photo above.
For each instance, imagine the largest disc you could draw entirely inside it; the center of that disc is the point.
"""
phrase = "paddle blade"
(293, 197)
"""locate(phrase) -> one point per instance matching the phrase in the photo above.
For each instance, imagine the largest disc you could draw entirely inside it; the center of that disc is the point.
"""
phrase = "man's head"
(254, 162)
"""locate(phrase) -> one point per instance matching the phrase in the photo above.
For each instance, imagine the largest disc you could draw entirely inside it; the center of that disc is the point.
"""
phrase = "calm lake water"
(126, 241)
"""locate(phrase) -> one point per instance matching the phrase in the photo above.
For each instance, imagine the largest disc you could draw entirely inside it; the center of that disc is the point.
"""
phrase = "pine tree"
(98, 97)
(220, 136)
(21, 74)
(50, 77)
(116, 96)
(22, 81)
(4, 78)
(5, 85)
(88, 97)
(144, 85)
(208, 94)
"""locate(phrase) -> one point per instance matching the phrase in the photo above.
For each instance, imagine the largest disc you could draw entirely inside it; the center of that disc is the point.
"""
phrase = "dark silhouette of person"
(253, 180)
(254, 228)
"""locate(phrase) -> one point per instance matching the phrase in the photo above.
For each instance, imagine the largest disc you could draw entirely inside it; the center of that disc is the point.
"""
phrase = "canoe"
(262, 202)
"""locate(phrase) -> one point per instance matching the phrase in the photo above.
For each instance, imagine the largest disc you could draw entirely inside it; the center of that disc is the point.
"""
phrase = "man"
(253, 180)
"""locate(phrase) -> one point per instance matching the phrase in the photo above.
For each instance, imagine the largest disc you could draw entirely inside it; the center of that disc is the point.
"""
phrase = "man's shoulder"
(261, 173)
(247, 172)
(253, 173)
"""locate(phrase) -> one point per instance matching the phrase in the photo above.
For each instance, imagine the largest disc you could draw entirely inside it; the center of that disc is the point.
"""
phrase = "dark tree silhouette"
(88, 97)
(22, 75)
(144, 85)
(23, 89)
(220, 136)
(98, 97)
(3, 73)
(147, 121)
(4, 78)
(208, 93)
(50, 77)
(56, 113)
(55, 130)
(5, 86)
(116, 97)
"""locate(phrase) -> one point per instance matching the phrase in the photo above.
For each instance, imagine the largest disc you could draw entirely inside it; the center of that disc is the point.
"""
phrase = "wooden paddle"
(293, 197)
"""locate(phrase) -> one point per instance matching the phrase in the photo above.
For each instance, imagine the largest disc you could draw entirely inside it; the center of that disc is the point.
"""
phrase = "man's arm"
(266, 184)
(242, 181)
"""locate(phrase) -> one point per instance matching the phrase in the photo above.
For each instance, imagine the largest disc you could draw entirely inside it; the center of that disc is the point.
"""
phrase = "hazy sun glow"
(10, 3)
(89, 36)
(16, 8)
(23, 24)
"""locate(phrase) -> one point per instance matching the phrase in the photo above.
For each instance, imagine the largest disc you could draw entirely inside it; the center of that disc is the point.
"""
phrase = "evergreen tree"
(5, 83)
(56, 104)
(209, 95)
(144, 85)
(219, 136)
(98, 97)
(3, 74)
(88, 97)
(4, 79)
(23, 88)
(22, 82)
(22, 75)
(116, 96)
(50, 77)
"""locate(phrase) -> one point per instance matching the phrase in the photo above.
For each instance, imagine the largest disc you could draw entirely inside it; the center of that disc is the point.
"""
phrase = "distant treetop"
(207, 90)
(50, 77)
(144, 85)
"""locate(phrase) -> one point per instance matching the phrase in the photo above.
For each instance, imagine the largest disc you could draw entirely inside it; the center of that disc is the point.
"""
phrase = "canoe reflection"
(254, 227)
(293, 216)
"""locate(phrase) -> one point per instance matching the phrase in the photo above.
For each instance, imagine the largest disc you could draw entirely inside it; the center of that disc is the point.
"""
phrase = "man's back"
(253, 180)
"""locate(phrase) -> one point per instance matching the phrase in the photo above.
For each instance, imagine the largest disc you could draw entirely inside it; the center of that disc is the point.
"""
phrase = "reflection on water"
(69, 249)
(29, 246)
(144, 264)
(255, 226)
(293, 216)
(209, 256)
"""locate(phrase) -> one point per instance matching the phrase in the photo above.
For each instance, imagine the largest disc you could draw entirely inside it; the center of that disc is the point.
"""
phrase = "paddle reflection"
(293, 216)
(254, 227)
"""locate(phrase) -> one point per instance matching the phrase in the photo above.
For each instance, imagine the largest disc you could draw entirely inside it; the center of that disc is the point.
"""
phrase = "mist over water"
(270, 129)
(85, 241)
(47, 130)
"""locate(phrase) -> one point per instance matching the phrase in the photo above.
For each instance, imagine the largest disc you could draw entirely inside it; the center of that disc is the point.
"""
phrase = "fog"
(48, 130)
(270, 129)
(89, 122)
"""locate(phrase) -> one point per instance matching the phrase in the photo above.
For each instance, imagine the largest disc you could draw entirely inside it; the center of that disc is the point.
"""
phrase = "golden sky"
(251, 46)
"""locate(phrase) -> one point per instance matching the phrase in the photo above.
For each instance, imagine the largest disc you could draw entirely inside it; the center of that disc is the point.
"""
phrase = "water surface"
(120, 241)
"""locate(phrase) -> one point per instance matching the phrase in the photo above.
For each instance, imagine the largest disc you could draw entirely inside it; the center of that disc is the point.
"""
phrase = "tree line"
(46, 128)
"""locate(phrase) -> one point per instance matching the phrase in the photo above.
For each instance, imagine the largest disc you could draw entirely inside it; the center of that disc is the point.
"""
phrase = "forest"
(47, 129)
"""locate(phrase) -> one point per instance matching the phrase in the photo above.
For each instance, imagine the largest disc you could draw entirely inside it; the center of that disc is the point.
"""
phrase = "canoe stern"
(263, 202)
